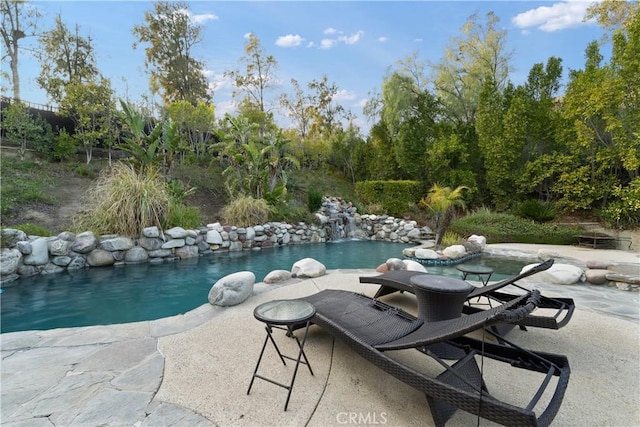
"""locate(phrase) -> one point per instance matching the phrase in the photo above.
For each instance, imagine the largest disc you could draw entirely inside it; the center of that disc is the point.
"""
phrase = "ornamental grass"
(124, 201)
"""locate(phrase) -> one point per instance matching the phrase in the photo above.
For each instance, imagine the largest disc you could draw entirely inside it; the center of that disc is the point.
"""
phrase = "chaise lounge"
(560, 309)
(376, 330)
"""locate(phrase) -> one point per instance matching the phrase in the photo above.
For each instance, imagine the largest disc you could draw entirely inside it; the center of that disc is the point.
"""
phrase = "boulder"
(136, 255)
(187, 252)
(308, 267)
(85, 243)
(596, 276)
(546, 254)
(479, 240)
(116, 244)
(395, 264)
(232, 289)
(176, 233)
(12, 235)
(151, 232)
(414, 266)
(422, 253)
(51, 268)
(598, 264)
(61, 260)
(174, 243)
(24, 247)
(277, 276)
(59, 247)
(558, 274)
(213, 237)
(9, 261)
(68, 236)
(77, 263)
(150, 243)
(39, 253)
(454, 251)
(100, 258)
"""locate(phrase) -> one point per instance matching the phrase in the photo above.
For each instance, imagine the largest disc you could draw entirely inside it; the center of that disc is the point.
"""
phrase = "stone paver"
(113, 375)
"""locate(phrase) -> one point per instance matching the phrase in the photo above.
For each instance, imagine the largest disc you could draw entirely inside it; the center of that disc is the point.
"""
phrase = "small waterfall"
(339, 224)
(335, 230)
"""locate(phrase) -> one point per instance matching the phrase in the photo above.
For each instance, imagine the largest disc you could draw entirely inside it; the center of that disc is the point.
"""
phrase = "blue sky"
(353, 43)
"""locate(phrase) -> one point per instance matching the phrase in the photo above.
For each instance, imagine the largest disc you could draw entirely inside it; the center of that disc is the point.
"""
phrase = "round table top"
(432, 282)
(284, 312)
(474, 269)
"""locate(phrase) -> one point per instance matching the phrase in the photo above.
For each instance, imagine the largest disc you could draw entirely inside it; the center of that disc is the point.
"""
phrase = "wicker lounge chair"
(560, 309)
(375, 330)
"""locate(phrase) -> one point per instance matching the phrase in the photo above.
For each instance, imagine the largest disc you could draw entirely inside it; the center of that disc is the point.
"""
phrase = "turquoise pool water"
(131, 293)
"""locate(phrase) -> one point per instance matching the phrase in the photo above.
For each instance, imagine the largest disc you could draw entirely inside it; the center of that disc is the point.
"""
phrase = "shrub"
(64, 146)
(124, 201)
(245, 211)
(314, 200)
(536, 210)
(508, 228)
(624, 210)
(450, 238)
(184, 216)
(396, 197)
(374, 209)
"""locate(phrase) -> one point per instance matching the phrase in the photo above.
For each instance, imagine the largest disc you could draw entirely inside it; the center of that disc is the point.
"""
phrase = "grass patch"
(23, 182)
(507, 228)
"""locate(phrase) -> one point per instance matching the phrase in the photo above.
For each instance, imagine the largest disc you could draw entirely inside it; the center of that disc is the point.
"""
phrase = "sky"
(353, 43)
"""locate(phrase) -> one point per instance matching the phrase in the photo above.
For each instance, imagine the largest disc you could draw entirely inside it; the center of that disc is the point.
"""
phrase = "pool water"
(131, 293)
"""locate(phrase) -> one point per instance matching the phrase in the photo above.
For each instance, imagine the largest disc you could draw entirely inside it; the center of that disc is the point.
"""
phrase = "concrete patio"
(194, 369)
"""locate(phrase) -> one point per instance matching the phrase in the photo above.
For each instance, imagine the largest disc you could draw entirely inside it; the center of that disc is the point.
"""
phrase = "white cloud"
(362, 103)
(558, 16)
(247, 35)
(199, 18)
(418, 40)
(203, 17)
(289, 40)
(311, 44)
(222, 108)
(382, 39)
(327, 43)
(344, 95)
(330, 30)
(218, 81)
(352, 39)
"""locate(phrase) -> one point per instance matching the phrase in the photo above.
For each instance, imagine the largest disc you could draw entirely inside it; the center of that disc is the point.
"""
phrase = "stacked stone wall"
(26, 256)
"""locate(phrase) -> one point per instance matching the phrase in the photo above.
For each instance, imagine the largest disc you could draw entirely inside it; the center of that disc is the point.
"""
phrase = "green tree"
(194, 122)
(326, 114)
(21, 127)
(19, 21)
(443, 202)
(65, 57)
(470, 60)
(257, 76)
(90, 105)
(299, 108)
(172, 36)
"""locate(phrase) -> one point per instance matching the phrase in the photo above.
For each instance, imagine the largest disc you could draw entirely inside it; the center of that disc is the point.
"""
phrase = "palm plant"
(442, 202)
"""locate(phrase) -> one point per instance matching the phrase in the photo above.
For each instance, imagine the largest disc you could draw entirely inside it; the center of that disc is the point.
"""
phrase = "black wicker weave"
(372, 328)
(400, 281)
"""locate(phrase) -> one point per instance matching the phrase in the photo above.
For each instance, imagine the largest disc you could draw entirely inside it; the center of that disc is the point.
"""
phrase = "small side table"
(481, 271)
(284, 314)
(439, 297)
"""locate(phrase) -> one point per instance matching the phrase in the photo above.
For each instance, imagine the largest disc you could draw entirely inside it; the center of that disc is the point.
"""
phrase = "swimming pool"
(130, 293)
